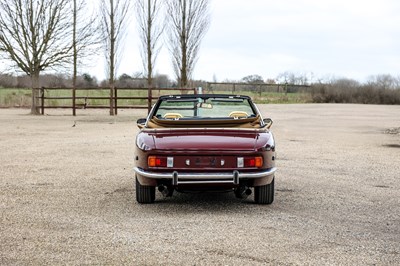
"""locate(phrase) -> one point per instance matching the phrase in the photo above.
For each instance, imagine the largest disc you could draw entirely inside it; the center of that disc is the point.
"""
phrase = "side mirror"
(141, 122)
(268, 122)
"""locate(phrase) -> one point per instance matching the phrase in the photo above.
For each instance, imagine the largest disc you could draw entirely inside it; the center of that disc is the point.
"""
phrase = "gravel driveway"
(67, 194)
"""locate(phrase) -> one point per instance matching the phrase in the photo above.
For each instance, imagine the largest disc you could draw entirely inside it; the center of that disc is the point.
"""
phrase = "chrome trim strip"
(218, 177)
(193, 182)
(153, 130)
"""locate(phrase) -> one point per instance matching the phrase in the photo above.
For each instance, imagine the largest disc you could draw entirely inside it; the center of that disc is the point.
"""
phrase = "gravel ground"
(67, 194)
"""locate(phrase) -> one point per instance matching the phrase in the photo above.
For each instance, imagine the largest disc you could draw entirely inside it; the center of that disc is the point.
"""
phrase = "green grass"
(15, 97)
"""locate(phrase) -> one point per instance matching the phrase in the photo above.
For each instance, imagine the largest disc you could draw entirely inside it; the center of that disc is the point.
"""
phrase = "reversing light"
(240, 162)
(170, 161)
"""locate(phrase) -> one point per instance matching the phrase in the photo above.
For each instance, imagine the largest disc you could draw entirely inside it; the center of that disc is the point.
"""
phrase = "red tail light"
(160, 161)
(256, 161)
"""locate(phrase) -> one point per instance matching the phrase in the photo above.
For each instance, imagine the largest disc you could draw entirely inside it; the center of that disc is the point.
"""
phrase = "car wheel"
(145, 194)
(264, 194)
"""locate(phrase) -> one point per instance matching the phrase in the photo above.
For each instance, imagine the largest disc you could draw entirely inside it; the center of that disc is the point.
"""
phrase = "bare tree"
(253, 79)
(382, 81)
(84, 39)
(187, 21)
(294, 78)
(150, 30)
(114, 16)
(35, 35)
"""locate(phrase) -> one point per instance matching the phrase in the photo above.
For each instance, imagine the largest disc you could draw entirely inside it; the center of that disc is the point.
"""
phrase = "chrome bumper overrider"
(205, 178)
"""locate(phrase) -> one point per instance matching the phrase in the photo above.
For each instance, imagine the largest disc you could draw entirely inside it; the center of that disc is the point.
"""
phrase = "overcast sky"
(352, 38)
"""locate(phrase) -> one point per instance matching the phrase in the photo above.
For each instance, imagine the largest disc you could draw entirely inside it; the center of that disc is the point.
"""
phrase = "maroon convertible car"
(205, 143)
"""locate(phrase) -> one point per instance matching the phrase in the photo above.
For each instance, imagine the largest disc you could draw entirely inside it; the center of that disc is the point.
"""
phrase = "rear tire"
(145, 194)
(264, 194)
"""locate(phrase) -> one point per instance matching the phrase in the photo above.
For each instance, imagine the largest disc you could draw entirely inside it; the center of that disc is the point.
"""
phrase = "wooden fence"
(234, 87)
(92, 94)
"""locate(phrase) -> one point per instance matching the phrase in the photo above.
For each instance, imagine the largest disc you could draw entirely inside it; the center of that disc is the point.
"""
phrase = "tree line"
(86, 80)
(378, 89)
(40, 35)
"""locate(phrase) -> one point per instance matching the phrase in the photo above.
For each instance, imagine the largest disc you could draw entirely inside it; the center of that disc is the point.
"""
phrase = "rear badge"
(187, 162)
(213, 162)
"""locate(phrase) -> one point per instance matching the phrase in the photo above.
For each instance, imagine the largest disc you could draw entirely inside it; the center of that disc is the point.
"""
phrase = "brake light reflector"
(249, 161)
(159, 161)
(253, 162)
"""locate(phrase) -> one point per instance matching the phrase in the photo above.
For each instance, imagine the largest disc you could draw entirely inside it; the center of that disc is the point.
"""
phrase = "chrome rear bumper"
(205, 178)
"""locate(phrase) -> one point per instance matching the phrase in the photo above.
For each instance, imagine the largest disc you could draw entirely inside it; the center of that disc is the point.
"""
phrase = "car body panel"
(199, 152)
(204, 139)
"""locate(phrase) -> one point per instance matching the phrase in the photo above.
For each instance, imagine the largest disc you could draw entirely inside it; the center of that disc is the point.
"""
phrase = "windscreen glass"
(203, 108)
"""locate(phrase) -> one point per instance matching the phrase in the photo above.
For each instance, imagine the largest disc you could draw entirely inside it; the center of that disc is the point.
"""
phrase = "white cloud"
(354, 39)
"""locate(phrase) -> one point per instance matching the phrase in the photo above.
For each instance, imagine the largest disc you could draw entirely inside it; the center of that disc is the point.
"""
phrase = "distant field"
(22, 97)
(317, 93)
(15, 97)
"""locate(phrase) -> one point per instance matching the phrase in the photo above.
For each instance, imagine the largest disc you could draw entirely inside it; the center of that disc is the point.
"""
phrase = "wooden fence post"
(286, 88)
(112, 87)
(74, 101)
(42, 99)
(149, 99)
(115, 101)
